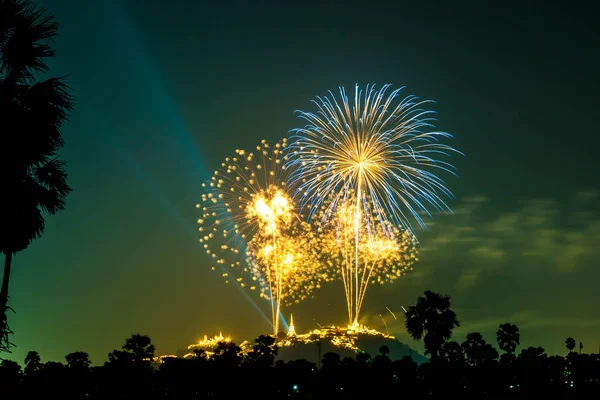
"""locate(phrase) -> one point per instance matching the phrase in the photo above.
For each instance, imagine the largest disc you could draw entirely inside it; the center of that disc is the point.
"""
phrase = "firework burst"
(375, 146)
(249, 226)
(375, 153)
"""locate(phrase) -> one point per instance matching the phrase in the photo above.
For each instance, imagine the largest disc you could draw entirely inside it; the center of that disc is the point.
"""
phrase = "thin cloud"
(539, 233)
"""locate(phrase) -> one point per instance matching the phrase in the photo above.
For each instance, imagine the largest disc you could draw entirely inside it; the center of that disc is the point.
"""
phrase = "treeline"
(473, 368)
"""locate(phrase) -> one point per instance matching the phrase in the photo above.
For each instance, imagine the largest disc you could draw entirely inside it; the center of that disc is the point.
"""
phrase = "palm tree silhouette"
(508, 338)
(432, 320)
(33, 112)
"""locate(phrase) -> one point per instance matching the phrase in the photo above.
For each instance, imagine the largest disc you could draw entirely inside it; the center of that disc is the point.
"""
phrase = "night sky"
(164, 93)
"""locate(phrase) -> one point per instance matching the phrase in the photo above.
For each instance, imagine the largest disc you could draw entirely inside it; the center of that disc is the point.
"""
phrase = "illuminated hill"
(343, 341)
(311, 346)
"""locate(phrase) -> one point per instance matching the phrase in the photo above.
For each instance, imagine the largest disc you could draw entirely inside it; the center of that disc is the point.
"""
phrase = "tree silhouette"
(331, 360)
(384, 350)
(432, 320)
(78, 360)
(129, 371)
(137, 350)
(199, 354)
(78, 374)
(33, 178)
(363, 358)
(508, 338)
(10, 367)
(533, 369)
(32, 362)
(570, 344)
(453, 353)
(227, 355)
(533, 353)
(478, 351)
(231, 372)
(120, 358)
(140, 347)
(10, 378)
(264, 351)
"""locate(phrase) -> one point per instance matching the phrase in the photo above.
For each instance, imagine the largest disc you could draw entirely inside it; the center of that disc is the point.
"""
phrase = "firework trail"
(393, 315)
(387, 332)
(250, 225)
(376, 153)
(381, 256)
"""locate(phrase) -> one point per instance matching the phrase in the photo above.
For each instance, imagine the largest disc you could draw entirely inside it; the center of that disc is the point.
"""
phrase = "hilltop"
(311, 346)
(346, 342)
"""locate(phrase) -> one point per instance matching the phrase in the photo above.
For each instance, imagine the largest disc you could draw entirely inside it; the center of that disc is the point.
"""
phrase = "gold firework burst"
(249, 226)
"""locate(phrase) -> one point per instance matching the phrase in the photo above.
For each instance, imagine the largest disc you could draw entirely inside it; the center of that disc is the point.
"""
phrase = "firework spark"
(249, 224)
(374, 154)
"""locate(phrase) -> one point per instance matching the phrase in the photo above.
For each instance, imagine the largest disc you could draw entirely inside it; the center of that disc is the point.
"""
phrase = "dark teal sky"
(165, 90)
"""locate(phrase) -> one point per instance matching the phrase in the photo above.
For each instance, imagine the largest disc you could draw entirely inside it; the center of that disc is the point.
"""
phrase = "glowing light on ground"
(343, 337)
(206, 346)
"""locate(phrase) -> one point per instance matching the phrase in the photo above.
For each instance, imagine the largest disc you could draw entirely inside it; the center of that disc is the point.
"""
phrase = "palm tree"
(570, 344)
(432, 320)
(508, 338)
(33, 179)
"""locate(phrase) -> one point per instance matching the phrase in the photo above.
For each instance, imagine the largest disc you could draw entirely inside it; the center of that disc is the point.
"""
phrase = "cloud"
(505, 224)
(587, 196)
(468, 278)
(489, 250)
(559, 237)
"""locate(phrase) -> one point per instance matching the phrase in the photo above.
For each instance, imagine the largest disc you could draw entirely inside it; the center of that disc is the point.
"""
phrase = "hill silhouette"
(365, 342)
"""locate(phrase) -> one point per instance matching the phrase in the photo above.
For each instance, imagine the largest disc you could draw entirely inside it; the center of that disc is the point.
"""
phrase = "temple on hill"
(291, 329)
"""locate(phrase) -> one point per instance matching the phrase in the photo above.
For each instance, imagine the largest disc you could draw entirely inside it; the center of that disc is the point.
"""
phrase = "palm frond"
(52, 187)
(46, 106)
(25, 45)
